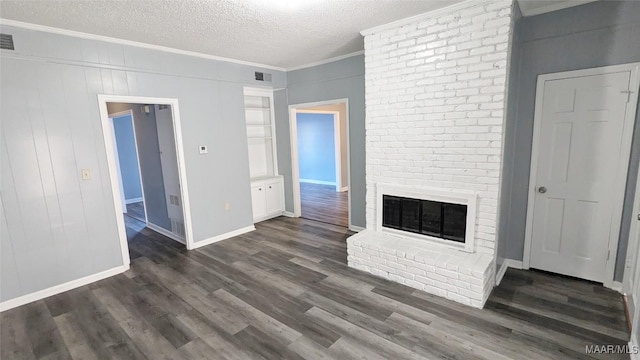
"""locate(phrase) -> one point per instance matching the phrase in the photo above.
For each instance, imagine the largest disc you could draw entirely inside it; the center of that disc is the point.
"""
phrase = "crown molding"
(326, 61)
(83, 35)
(429, 14)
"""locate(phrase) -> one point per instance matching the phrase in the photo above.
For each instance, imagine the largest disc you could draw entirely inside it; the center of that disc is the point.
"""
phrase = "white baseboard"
(355, 228)
(165, 232)
(617, 286)
(224, 236)
(288, 214)
(57, 289)
(344, 188)
(319, 182)
(516, 264)
(507, 263)
(133, 201)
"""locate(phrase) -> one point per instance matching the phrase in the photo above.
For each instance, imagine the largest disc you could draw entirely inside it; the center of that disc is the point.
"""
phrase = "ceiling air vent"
(260, 76)
(6, 42)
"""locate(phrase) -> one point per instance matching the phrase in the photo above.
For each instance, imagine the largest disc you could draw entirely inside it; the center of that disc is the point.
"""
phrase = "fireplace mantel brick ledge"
(456, 275)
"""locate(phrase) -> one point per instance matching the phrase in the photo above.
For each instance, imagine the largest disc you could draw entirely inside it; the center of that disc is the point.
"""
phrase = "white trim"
(83, 35)
(344, 188)
(133, 200)
(551, 6)
(326, 61)
(501, 272)
(427, 15)
(288, 214)
(356, 228)
(162, 231)
(177, 131)
(293, 136)
(507, 263)
(632, 245)
(224, 236)
(57, 289)
(616, 285)
(319, 182)
(623, 160)
(462, 197)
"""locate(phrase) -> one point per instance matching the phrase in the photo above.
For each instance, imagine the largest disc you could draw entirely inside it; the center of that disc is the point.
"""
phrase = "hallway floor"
(323, 203)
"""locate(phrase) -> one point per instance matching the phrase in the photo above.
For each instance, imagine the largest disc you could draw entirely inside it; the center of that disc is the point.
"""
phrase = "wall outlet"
(227, 206)
(203, 149)
(86, 174)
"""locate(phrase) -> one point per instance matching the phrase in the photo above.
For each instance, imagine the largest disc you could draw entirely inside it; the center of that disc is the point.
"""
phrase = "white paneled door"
(579, 145)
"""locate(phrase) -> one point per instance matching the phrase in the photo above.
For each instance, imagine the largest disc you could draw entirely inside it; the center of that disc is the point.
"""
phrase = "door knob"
(542, 189)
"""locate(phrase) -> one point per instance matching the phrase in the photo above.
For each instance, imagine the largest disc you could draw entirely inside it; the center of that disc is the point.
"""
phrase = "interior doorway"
(320, 161)
(146, 166)
(582, 139)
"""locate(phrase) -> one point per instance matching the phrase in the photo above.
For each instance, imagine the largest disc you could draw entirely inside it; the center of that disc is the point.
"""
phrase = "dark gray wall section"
(592, 35)
(509, 138)
(150, 166)
(336, 80)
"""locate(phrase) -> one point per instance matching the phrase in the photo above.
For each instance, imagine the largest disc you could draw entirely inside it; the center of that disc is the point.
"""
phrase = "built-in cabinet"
(267, 197)
(267, 187)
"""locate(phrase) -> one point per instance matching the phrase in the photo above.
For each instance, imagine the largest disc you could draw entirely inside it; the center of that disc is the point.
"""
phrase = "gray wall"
(336, 80)
(506, 179)
(150, 165)
(57, 227)
(592, 35)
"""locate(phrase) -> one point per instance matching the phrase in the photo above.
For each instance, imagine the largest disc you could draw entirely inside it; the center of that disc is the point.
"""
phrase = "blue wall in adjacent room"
(127, 157)
(316, 147)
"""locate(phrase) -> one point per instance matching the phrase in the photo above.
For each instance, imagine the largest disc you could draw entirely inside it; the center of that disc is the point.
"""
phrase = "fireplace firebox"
(433, 218)
(438, 215)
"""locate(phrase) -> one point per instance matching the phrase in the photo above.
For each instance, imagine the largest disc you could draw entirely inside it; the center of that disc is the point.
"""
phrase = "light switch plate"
(203, 149)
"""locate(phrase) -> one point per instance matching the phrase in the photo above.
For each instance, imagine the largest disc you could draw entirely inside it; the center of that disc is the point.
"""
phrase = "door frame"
(623, 160)
(135, 142)
(111, 162)
(336, 140)
(632, 246)
(295, 170)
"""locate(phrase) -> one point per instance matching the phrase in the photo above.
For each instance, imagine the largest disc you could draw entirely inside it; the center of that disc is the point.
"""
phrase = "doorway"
(143, 143)
(128, 165)
(581, 146)
(320, 161)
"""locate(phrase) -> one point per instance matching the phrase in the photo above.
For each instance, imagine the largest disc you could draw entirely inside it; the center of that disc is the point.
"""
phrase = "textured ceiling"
(281, 33)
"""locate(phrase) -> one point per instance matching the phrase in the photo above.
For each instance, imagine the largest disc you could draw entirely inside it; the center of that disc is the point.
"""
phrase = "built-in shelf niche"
(259, 117)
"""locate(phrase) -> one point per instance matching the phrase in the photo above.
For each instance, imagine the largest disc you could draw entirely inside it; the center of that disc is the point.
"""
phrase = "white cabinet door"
(274, 197)
(259, 201)
(581, 127)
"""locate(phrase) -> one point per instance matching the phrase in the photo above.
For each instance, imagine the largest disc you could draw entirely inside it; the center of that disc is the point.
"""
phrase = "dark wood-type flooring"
(323, 203)
(136, 211)
(284, 292)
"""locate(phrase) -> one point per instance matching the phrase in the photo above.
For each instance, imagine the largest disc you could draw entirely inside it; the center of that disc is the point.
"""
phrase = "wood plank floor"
(285, 292)
(136, 211)
(323, 203)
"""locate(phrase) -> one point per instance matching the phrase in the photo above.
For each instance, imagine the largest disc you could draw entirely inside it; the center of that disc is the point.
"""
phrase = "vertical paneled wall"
(57, 227)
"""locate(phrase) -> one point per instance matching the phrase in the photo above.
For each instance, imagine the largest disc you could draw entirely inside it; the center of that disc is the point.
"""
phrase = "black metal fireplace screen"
(433, 218)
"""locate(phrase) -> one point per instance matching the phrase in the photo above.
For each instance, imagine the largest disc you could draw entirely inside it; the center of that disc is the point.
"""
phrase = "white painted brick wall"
(435, 104)
(459, 276)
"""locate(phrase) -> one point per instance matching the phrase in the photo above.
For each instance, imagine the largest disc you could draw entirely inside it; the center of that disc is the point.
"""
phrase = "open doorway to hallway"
(320, 160)
(148, 175)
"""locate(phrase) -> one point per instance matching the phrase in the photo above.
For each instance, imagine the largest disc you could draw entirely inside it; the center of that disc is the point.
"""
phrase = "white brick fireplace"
(435, 102)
